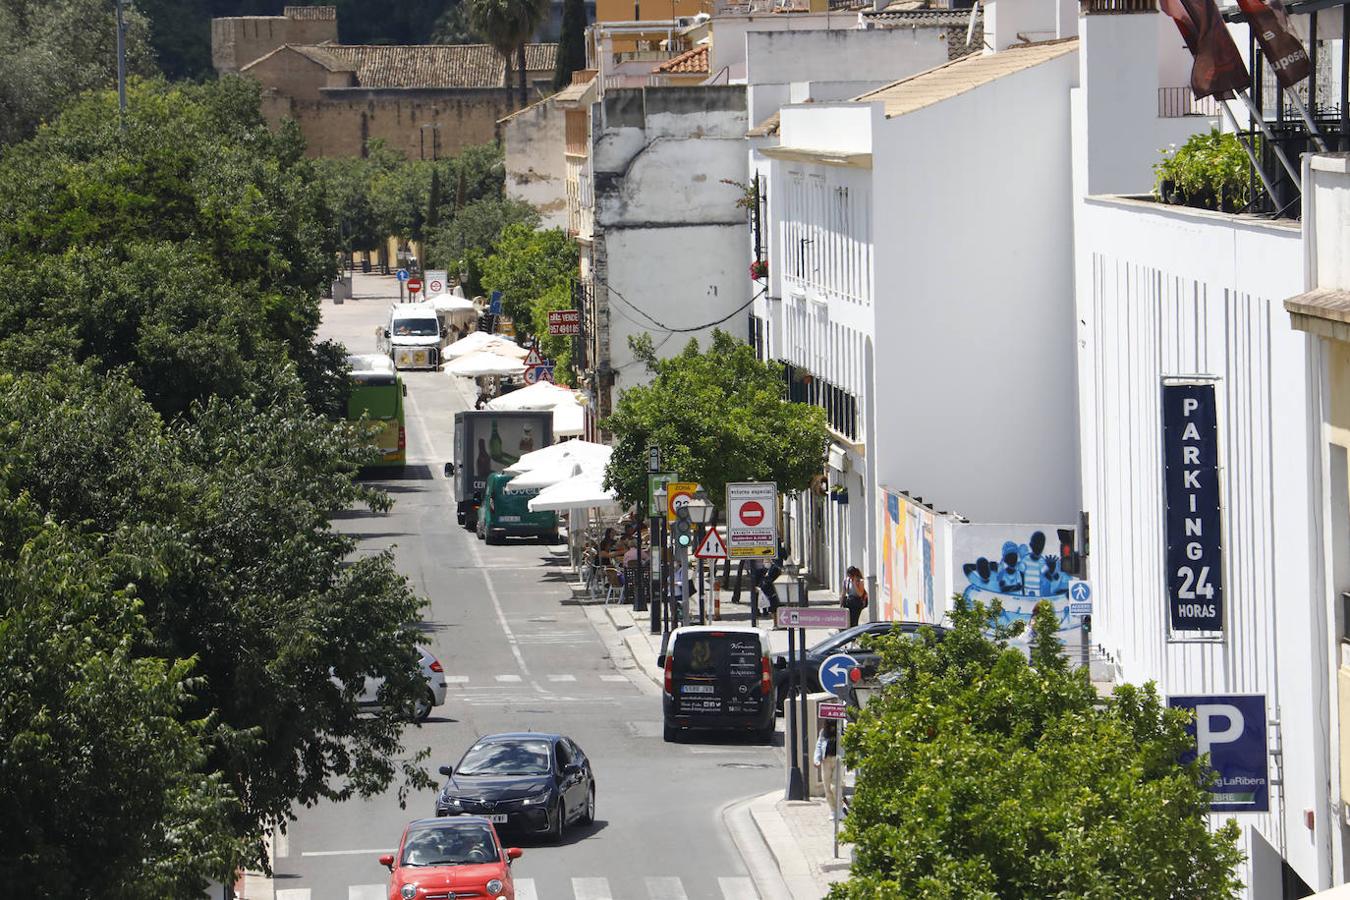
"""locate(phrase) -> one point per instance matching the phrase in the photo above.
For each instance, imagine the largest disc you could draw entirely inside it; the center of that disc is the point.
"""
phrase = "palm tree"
(507, 25)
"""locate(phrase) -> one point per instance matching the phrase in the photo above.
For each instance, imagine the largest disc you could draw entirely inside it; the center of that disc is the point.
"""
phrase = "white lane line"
(510, 678)
(293, 894)
(591, 889)
(560, 678)
(665, 888)
(614, 678)
(741, 888)
(346, 852)
(422, 428)
(457, 679)
(525, 889)
(365, 892)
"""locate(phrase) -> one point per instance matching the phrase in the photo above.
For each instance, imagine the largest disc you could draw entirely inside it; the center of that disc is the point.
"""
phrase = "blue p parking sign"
(1231, 728)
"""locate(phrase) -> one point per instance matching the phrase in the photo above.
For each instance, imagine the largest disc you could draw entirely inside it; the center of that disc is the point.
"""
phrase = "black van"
(718, 678)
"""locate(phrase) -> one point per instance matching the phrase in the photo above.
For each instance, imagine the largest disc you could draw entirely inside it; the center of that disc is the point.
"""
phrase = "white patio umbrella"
(484, 362)
(578, 492)
(544, 476)
(475, 341)
(540, 395)
(592, 456)
(569, 419)
(449, 303)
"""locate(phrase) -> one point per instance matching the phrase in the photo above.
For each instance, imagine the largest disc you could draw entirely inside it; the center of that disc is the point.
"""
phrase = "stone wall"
(341, 121)
(536, 167)
(236, 42)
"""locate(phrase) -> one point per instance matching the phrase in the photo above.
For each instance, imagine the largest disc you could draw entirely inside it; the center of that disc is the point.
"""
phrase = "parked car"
(717, 678)
(524, 781)
(432, 671)
(849, 641)
(506, 513)
(451, 858)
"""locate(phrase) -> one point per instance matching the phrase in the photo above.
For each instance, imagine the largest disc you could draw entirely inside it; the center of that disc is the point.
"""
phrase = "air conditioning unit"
(691, 21)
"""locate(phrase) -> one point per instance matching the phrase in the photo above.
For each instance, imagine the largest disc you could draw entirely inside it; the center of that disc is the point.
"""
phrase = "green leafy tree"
(454, 27)
(571, 43)
(985, 774)
(508, 25)
(476, 229)
(525, 265)
(50, 52)
(718, 416)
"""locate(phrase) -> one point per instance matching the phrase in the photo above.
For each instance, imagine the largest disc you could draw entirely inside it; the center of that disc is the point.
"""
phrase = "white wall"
(536, 168)
(728, 45)
(890, 54)
(974, 300)
(836, 127)
(1168, 291)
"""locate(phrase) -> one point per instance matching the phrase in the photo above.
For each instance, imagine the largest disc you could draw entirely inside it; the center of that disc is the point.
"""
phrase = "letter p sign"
(1189, 405)
(1208, 719)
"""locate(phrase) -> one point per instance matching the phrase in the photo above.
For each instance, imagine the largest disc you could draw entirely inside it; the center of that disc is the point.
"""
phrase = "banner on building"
(906, 583)
(1217, 69)
(1193, 518)
(1284, 52)
(1231, 728)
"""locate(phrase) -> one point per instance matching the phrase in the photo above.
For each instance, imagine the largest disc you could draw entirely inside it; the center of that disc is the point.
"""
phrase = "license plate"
(497, 818)
(697, 689)
(509, 518)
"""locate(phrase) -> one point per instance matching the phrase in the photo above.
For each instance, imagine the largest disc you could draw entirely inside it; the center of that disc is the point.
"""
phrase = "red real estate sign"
(564, 322)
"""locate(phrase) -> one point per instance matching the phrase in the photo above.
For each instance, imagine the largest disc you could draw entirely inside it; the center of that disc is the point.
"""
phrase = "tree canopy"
(985, 774)
(173, 458)
(718, 416)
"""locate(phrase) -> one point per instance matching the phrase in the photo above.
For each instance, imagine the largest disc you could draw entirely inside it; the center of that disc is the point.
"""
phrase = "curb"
(754, 850)
(793, 868)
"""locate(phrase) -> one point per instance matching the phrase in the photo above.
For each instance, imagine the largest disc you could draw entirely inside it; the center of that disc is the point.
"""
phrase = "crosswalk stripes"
(666, 888)
(591, 889)
(739, 888)
(658, 887)
(508, 678)
(525, 889)
(614, 678)
(457, 679)
(365, 892)
(562, 678)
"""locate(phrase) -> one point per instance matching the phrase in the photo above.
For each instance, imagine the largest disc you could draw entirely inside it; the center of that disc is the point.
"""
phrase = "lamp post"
(658, 558)
(700, 513)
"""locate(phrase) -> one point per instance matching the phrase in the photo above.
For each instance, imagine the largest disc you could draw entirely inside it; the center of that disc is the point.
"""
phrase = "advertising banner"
(1231, 728)
(1193, 518)
(752, 520)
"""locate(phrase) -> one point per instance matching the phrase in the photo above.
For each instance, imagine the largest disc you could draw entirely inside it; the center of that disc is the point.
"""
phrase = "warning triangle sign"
(534, 359)
(712, 546)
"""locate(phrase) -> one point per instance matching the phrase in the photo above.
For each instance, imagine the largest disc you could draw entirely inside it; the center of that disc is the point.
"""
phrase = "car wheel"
(491, 538)
(422, 708)
(555, 826)
(588, 817)
(671, 734)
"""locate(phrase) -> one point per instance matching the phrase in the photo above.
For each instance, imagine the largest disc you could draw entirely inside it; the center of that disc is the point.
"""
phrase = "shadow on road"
(417, 472)
(573, 834)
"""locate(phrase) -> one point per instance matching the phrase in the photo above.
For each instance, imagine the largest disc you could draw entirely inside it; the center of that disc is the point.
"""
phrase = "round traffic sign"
(751, 512)
(414, 285)
(834, 673)
(435, 286)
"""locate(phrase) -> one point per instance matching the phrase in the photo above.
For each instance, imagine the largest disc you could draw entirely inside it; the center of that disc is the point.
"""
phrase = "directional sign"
(437, 280)
(811, 617)
(678, 495)
(403, 275)
(712, 547)
(834, 673)
(832, 711)
(1080, 598)
(752, 519)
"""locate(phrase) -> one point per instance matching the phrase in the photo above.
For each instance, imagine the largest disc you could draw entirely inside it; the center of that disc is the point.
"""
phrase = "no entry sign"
(752, 519)
(414, 285)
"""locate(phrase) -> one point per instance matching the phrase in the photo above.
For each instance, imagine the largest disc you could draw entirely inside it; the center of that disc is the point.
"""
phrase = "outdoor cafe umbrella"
(540, 395)
(484, 362)
(544, 476)
(592, 456)
(569, 419)
(449, 303)
(578, 492)
(475, 341)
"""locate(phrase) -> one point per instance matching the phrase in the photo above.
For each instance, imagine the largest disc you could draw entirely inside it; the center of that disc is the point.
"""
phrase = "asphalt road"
(520, 654)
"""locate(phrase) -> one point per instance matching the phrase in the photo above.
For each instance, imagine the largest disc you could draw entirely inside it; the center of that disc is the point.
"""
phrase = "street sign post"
(495, 303)
(713, 548)
(834, 673)
(678, 495)
(564, 322)
(414, 285)
(437, 281)
(811, 617)
(752, 519)
(402, 275)
(1231, 728)
(832, 711)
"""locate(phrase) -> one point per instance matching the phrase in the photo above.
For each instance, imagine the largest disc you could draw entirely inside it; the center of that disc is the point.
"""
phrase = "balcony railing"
(1175, 102)
(1107, 7)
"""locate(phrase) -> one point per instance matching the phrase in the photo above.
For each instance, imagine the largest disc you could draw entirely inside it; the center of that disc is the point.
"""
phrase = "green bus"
(377, 394)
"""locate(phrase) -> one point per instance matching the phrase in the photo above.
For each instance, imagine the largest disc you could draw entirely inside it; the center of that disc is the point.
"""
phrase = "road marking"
(525, 889)
(591, 889)
(457, 679)
(666, 888)
(562, 678)
(511, 678)
(614, 678)
(346, 852)
(422, 429)
(293, 894)
(365, 892)
(740, 888)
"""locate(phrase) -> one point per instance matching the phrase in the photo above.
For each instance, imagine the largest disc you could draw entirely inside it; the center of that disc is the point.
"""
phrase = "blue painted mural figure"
(1019, 577)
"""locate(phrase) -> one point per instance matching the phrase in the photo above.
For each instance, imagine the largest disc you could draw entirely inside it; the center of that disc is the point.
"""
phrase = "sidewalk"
(795, 837)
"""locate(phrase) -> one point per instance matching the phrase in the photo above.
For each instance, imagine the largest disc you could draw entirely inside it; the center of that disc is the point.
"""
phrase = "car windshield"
(525, 757)
(415, 328)
(838, 640)
(449, 845)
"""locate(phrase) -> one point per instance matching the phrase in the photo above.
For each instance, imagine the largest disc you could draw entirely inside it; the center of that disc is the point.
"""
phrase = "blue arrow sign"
(834, 673)
(403, 275)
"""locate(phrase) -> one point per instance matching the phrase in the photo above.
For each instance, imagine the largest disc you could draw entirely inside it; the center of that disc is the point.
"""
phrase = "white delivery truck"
(412, 339)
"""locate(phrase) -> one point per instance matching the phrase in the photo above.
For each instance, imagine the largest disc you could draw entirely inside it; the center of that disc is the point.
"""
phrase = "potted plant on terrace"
(1209, 171)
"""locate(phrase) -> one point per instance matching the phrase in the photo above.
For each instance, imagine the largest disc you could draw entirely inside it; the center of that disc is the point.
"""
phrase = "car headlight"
(450, 801)
(495, 886)
(409, 891)
(541, 797)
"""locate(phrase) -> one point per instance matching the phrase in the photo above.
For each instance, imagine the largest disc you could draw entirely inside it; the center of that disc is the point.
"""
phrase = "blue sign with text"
(1194, 524)
(1231, 728)
(495, 303)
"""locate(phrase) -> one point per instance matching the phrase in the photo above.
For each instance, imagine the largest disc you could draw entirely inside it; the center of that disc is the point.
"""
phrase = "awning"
(482, 340)
(540, 395)
(476, 365)
(592, 456)
(579, 492)
(1324, 312)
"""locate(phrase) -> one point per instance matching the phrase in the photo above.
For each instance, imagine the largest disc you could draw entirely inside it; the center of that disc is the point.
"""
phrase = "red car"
(455, 857)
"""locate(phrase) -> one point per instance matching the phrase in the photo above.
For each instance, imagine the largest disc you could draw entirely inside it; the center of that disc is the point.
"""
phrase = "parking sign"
(1231, 728)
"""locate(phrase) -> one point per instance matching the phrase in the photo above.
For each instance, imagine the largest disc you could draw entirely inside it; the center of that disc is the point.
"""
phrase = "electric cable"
(664, 327)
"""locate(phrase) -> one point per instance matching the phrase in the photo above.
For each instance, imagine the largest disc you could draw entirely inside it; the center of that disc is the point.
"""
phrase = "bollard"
(717, 600)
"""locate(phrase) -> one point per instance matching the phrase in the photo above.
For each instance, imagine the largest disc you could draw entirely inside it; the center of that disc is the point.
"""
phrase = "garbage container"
(365, 265)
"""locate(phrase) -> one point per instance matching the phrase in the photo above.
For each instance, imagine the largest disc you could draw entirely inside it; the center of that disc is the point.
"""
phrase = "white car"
(434, 696)
(412, 337)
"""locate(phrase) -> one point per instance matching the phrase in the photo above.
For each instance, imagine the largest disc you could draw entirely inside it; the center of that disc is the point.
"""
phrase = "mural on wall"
(908, 562)
(1008, 563)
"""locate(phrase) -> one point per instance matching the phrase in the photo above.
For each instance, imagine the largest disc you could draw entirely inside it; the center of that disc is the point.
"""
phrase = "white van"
(412, 339)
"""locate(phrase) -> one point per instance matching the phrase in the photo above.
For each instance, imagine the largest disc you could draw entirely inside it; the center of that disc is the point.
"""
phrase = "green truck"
(506, 513)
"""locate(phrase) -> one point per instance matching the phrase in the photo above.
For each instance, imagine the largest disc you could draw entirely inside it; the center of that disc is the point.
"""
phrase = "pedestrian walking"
(826, 759)
(854, 595)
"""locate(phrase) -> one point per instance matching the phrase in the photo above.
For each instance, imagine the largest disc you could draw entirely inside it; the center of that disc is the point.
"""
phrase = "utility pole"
(121, 67)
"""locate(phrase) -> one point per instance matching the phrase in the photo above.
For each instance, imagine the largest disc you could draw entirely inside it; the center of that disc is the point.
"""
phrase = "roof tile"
(690, 62)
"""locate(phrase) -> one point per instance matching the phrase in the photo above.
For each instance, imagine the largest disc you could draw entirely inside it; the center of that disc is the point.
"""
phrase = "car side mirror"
(446, 771)
(387, 861)
(405, 390)
(571, 769)
(661, 661)
(384, 332)
(450, 470)
(514, 853)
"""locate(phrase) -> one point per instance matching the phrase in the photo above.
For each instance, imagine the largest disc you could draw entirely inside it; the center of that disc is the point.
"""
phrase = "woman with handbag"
(854, 596)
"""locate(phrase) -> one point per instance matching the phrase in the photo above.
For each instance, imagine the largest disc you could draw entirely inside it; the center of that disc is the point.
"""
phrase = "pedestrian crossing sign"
(712, 546)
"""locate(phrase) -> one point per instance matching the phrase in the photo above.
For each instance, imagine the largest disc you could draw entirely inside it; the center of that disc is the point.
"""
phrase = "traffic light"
(684, 531)
(1069, 561)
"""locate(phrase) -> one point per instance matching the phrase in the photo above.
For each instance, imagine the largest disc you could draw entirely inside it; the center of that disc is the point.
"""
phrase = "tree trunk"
(520, 69)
